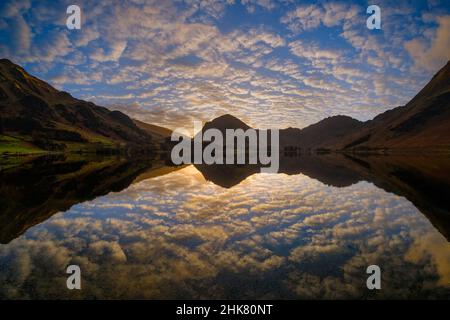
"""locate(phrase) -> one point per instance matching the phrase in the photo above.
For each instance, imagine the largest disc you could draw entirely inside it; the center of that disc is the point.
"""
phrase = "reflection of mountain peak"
(33, 192)
(330, 170)
(416, 178)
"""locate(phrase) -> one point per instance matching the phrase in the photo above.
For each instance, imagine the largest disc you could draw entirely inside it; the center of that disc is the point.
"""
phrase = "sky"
(274, 64)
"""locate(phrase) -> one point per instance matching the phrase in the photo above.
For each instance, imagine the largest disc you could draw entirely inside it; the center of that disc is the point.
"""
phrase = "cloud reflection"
(272, 236)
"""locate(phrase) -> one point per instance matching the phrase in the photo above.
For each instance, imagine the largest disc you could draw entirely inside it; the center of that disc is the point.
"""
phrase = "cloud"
(22, 35)
(88, 35)
(434, 53)
(308, 17)
(11, 9)
(304, 18)
(312, 52)
(12, 13)
(435, 248)
(113, 53)
(251, 5)
(174, 61)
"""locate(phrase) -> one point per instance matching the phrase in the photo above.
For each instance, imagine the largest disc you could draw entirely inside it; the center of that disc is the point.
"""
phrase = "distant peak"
(340, 118)
(226, 121)
(226, 116)
(229, 119)
(447, 65)
(8, 63)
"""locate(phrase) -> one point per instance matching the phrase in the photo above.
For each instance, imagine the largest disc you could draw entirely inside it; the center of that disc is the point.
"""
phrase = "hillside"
(158, 133)
(320, 134)
(37, 117)
(424, 122)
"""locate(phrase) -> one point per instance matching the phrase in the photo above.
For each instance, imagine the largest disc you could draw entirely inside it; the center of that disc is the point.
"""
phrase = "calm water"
(142, 229)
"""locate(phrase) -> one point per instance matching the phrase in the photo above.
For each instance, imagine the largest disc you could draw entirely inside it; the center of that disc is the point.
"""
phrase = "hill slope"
(320, 134)
(424, 122)
(36, 116)
(158, 133)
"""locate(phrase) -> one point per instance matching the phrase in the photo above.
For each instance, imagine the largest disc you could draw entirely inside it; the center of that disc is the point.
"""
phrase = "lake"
(143, 228)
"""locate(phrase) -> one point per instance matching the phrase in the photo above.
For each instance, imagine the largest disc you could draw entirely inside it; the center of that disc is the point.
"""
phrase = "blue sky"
(271, 63)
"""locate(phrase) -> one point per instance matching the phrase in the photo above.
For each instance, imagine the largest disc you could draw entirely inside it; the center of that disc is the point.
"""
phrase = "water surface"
(145, 229)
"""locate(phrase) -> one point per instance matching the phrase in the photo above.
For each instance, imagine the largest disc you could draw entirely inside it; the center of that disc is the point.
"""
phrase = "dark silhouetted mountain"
(320, 134)
(34, 115)
(224, 122)
(324, 132)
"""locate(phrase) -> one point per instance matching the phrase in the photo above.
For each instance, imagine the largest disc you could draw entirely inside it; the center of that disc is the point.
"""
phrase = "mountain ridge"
(37, 117)
(40, 116)
(423, 123)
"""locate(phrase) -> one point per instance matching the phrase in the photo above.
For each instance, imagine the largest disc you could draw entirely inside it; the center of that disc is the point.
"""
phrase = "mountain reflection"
(423, 181)
(33, 192)
(223, 231)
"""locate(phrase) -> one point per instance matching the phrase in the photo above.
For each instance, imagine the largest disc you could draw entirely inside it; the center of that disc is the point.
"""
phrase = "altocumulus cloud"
(174, 61)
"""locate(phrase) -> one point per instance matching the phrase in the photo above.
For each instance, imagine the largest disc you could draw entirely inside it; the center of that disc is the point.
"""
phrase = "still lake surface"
(145, 229)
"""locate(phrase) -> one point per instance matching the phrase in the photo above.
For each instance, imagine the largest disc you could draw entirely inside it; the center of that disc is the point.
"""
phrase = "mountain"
(35, 117)
(320, 134)
(325, 131)
(224, 122)
(424, 122)
(158, 133)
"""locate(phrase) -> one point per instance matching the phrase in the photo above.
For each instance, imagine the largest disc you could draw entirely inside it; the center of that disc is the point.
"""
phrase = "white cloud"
(330, 14)
(21, 35)
(434, 53)
(113, 53)
(252, 4)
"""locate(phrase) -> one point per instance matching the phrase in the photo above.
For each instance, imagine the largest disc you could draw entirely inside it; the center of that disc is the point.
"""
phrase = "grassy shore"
(14, 145)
